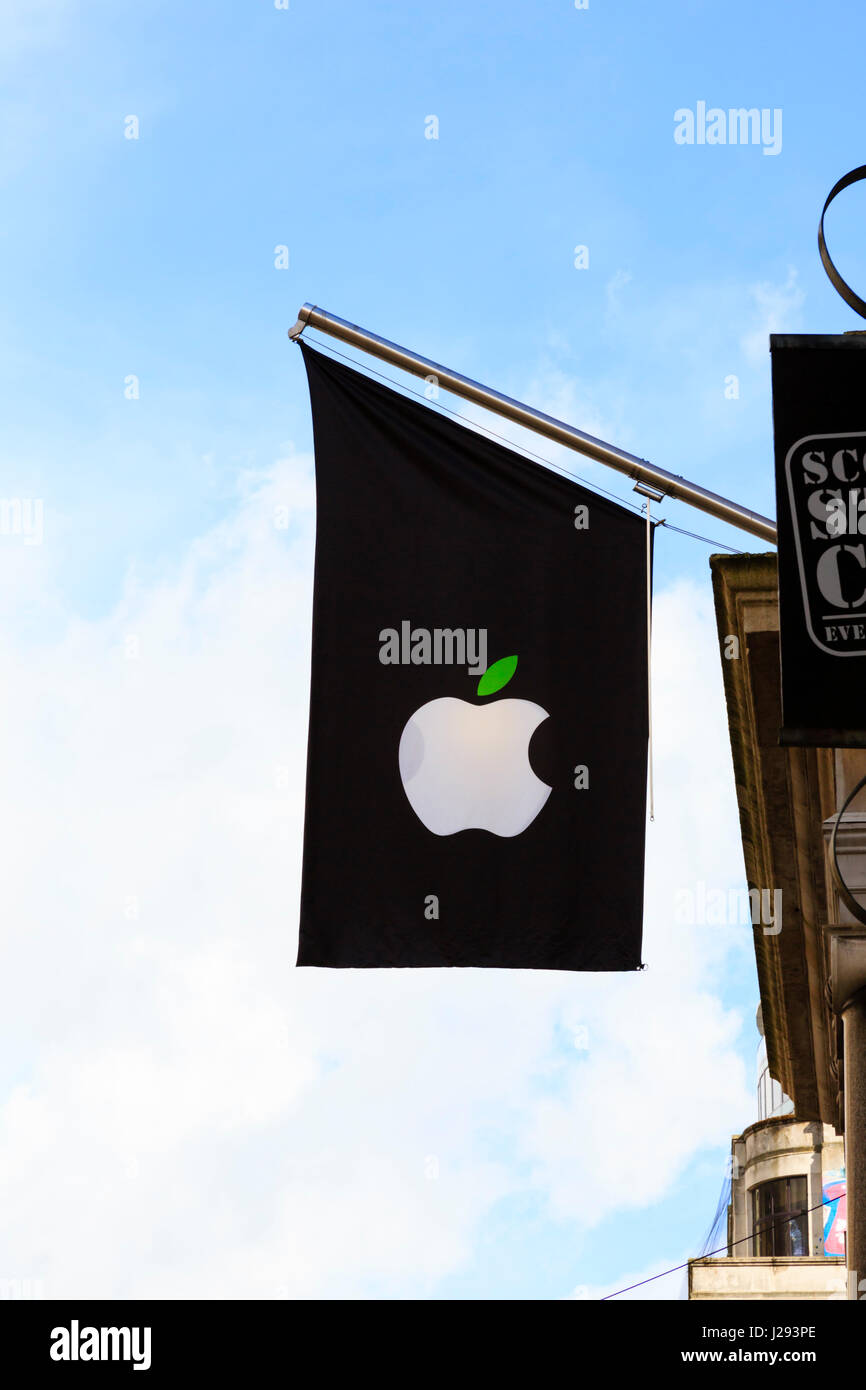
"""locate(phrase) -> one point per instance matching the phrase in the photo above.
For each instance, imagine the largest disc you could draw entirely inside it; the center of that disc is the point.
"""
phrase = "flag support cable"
(670, 484)
(526, 452)
(651, 495)
(649, 650)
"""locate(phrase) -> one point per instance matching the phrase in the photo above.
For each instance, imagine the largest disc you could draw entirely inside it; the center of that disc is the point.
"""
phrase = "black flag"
(476, 775)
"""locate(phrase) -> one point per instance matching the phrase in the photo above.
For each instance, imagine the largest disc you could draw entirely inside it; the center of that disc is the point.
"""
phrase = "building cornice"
(784, 796)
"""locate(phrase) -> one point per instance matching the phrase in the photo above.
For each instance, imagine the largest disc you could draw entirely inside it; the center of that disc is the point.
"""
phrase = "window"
(780, 1223)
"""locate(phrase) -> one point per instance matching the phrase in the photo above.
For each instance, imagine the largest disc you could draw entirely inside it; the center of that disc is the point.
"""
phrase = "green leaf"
(497, 675)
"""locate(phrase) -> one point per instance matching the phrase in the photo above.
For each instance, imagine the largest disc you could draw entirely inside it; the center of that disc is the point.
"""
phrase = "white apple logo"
(466, 767)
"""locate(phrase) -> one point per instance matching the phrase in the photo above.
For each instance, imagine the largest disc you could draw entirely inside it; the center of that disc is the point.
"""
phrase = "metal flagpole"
(670, 484)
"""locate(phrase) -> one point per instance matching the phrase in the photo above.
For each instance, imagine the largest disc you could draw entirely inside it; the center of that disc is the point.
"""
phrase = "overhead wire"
(707, 1255)
(327, 347)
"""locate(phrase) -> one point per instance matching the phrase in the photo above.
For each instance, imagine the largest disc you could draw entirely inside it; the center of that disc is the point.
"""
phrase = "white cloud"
(184, 1114)
(776, 309)
(614, 291)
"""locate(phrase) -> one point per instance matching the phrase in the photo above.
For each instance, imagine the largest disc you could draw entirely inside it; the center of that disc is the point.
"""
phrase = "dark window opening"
(780, 1222)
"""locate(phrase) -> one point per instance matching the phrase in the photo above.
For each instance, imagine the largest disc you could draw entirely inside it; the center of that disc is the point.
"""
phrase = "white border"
(837, 434)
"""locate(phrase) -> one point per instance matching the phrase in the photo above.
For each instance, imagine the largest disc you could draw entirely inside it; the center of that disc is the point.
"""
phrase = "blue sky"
(155, 257)
(305, 127)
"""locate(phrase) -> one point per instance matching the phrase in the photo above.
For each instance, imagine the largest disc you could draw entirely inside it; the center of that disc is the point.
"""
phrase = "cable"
(649, 658)
(696, 537)
(706, 1256)
(325, 345)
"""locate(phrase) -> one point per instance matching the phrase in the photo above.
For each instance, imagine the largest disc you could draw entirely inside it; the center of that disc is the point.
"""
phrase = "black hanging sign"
(819, 423)
(477, 756)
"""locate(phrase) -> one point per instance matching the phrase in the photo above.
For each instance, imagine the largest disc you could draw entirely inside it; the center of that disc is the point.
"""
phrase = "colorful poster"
(835, 1213)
